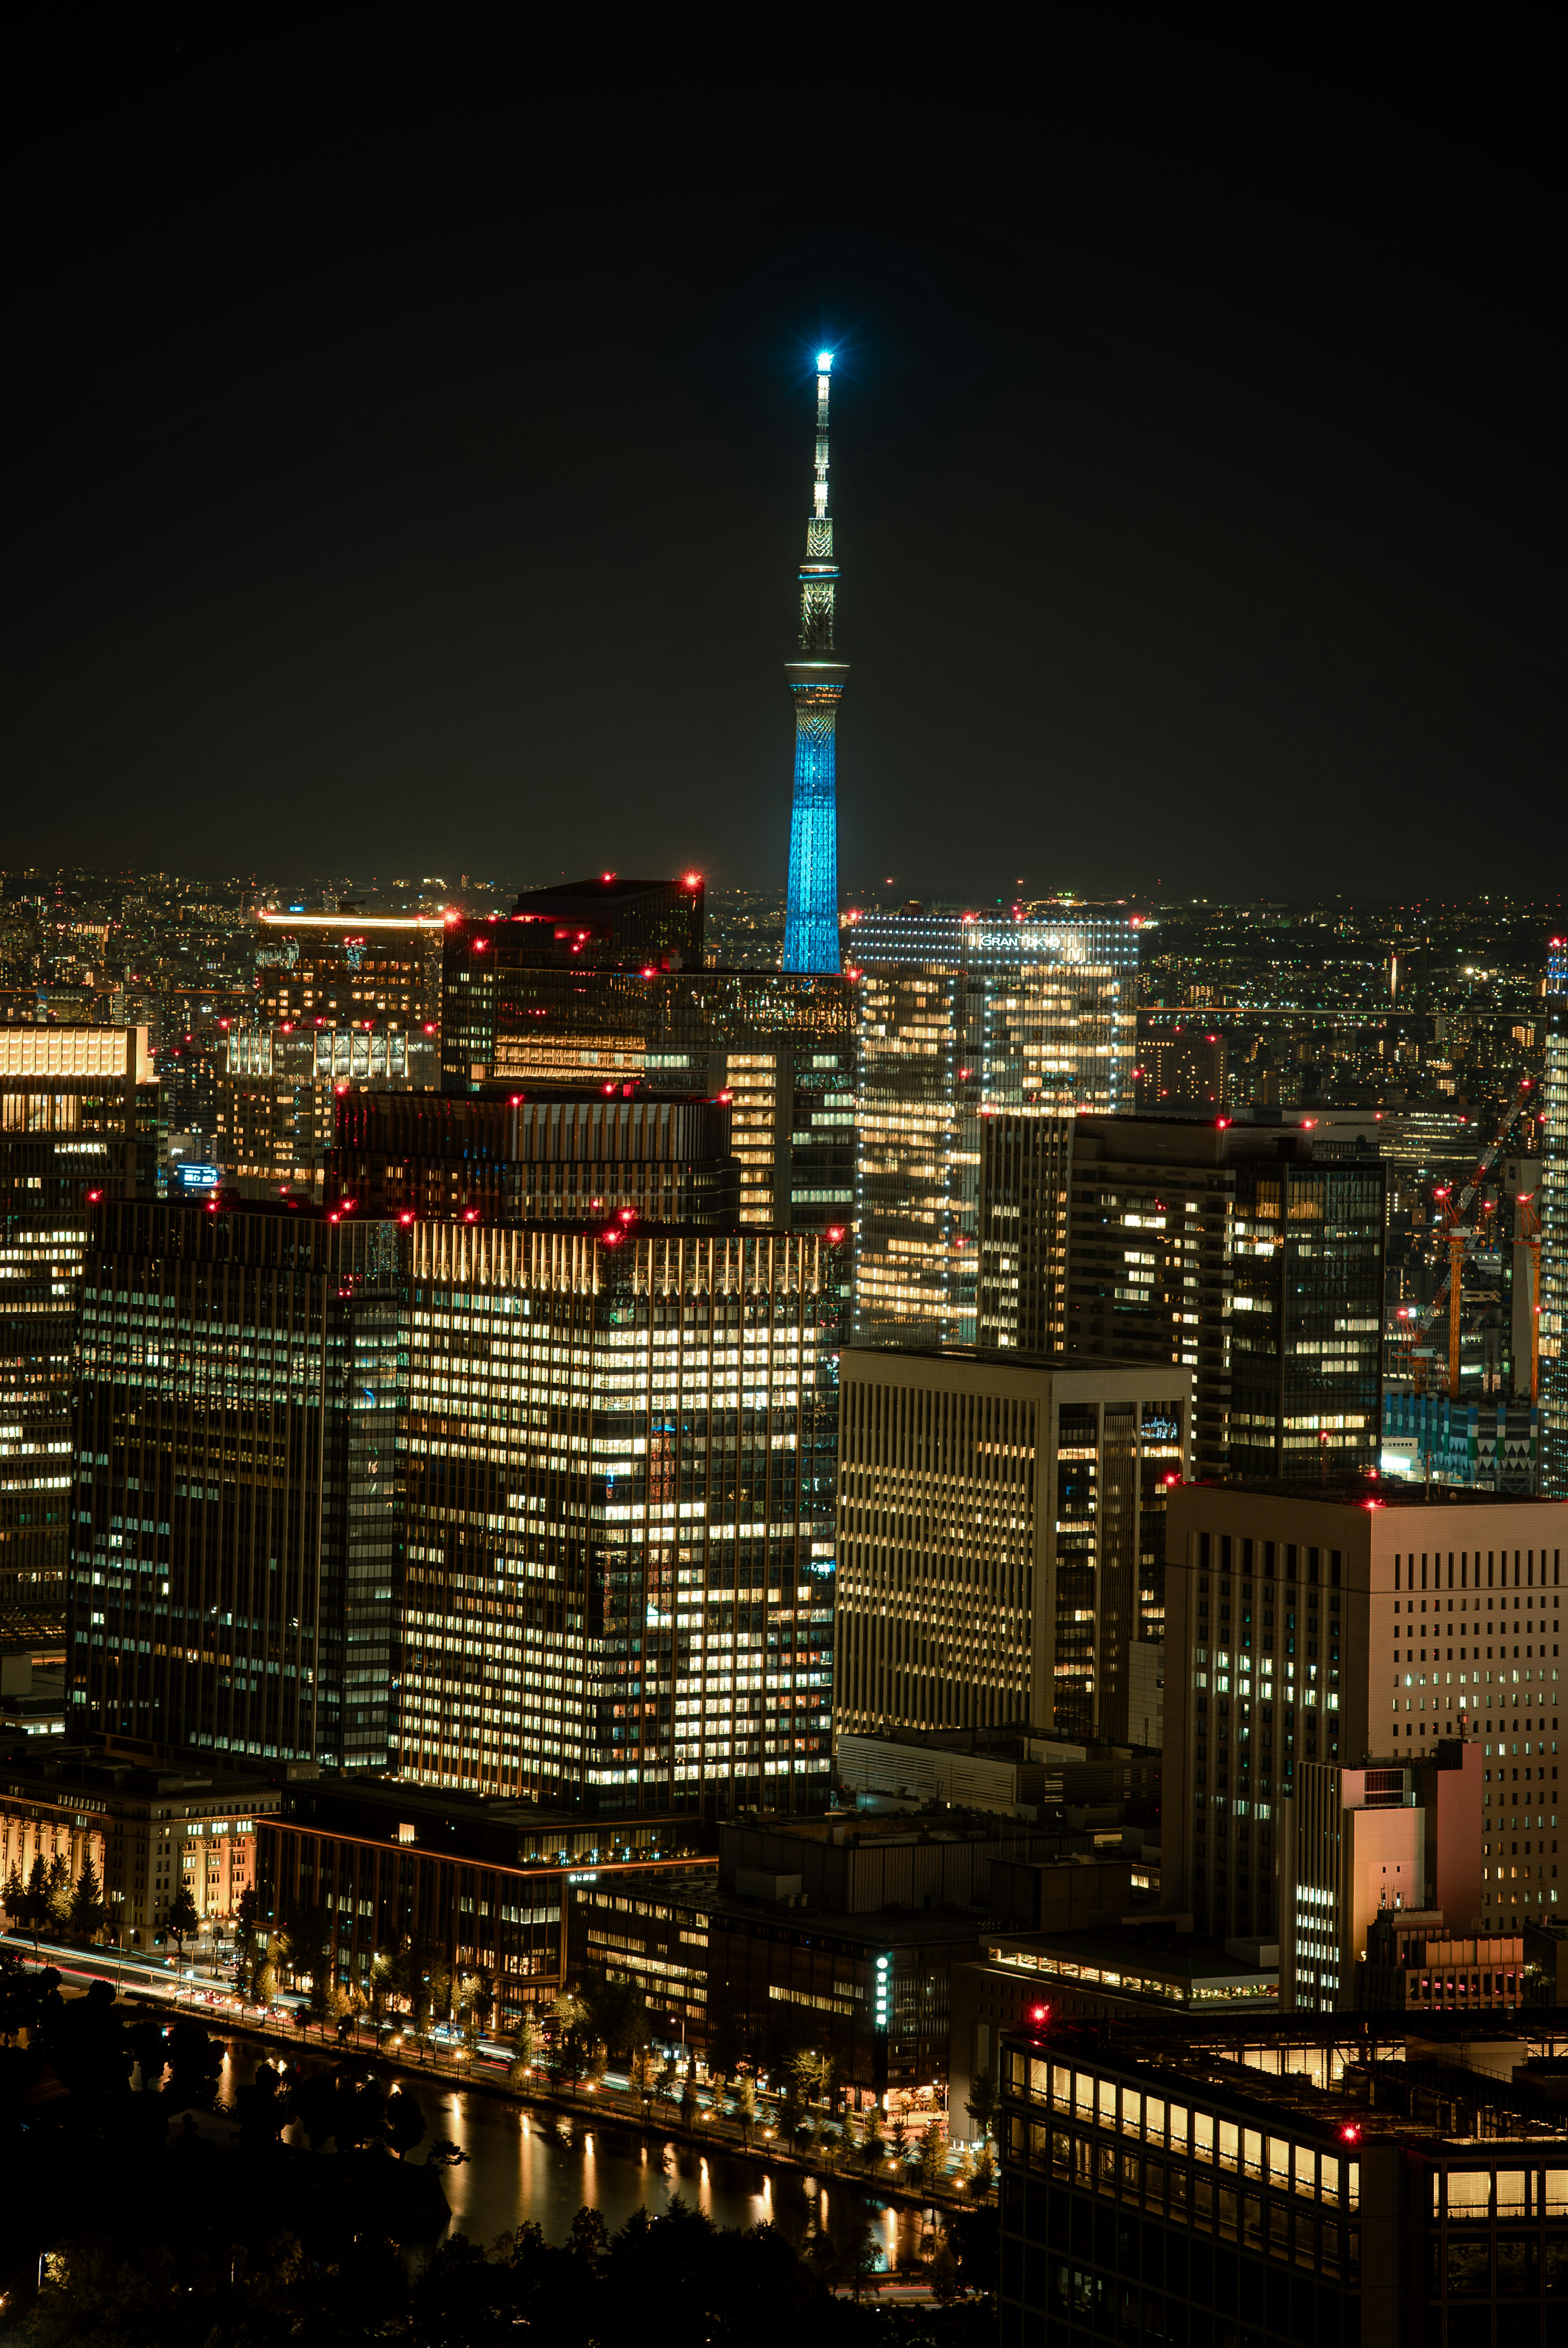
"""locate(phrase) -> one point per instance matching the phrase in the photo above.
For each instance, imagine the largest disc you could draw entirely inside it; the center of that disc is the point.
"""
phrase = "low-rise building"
(838, 1933)
(1140, 1965)
(1281, 2181)
(149, 1828)
(31, 1691)
(485, 1881)
(1417, 1963)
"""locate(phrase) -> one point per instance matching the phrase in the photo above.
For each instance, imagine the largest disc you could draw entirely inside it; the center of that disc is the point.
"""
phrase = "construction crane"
(1460, 1235)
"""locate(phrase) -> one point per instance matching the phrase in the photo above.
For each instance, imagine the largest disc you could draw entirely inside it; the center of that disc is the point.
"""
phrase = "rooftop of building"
(1140, 1960)
(1361, 1492)
(349, 919)
(604, 888)
(1449, 2084)
(75, 1772)
(883, 1830)
(613, 1230)
(442, 1818)
(858, 1929)
(1159, 1377)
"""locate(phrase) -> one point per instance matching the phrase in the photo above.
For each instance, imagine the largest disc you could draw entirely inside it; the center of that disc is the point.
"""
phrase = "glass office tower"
(779, 1046)
(1552, 1317)
(620, 1516)
(537, 1510)
(230, 1413)
(961, 1017)
(78, 1108)
(1250, 1255)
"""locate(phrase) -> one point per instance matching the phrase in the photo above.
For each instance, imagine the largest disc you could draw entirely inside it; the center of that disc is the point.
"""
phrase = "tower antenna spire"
(816, 679)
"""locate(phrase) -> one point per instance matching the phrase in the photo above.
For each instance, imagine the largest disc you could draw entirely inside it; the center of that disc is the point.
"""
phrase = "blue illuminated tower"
(816, 679)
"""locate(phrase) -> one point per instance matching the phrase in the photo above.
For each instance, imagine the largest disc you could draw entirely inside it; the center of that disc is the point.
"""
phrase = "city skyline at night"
(795, 1549)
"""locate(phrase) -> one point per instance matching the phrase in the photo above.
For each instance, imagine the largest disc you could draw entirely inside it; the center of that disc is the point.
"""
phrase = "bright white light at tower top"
(824, 361)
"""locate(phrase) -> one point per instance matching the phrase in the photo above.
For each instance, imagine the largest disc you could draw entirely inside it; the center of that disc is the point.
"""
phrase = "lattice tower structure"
(817, 678)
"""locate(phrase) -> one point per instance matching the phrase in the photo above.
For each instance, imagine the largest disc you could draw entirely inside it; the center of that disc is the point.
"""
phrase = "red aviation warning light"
(1349, 2133)
(691, 881)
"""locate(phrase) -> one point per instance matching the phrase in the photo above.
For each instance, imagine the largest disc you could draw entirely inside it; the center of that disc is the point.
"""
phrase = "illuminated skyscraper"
(79, 1109)
(1253, 1255)
(344, 967)
(1552, 1322)
(520, 1012)
(816, 679)
(538, 1510)
(962, 1019)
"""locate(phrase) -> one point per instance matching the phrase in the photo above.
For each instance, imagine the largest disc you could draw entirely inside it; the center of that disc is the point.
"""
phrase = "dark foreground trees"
(162, 2222)
(660, 2280)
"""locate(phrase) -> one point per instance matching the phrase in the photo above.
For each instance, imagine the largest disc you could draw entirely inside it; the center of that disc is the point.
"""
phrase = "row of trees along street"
(414, 1991)
(131, 2224)
(50, 1901)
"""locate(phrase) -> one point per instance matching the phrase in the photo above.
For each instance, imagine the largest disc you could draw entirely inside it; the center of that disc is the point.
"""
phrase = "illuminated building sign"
(200, 1178)
(882, 1996)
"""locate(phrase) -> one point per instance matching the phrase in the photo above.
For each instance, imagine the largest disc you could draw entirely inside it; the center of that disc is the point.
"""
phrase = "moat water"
(540, 2166)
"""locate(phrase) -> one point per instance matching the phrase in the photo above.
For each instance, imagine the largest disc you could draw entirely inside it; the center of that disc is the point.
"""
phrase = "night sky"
(407, 458)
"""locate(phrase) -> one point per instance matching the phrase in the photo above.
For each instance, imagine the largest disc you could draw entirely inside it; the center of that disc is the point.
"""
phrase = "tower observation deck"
(817, 678)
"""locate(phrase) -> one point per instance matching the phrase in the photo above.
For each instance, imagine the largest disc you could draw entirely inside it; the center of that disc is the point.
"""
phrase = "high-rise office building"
(558, 1160)
(233, 1438)
(620, 1516)
(278, 1088)
(518, 1005)
(1552, 1317)
(532, 1510)
(816, 676)
(348, 967)
(779, 1046)
(962, 1018)
(1301, 1630)
(77, 1124)
(608, 923)
(1251, 1253)
(1000, 1539)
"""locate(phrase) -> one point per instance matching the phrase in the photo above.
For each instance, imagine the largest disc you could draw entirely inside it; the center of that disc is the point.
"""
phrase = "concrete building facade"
(999, 1528)
(1304, 1647)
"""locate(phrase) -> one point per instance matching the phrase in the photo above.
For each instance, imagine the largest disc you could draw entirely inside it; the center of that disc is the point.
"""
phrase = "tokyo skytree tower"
(817, 678)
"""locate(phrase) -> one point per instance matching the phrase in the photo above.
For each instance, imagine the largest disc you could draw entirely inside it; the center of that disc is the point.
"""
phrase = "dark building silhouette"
(515, 1161)
(1251, 1253)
